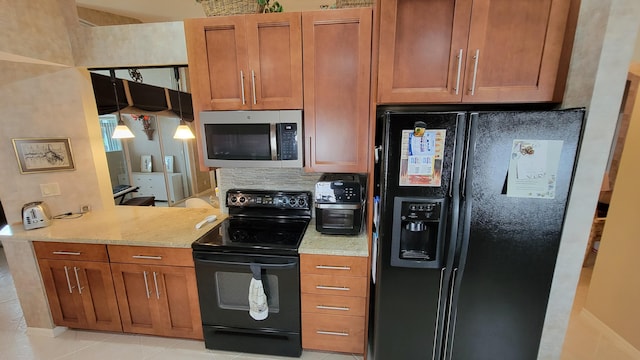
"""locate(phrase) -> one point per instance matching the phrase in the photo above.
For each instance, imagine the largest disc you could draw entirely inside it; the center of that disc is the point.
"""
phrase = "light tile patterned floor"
(15, 344)
(583, 340)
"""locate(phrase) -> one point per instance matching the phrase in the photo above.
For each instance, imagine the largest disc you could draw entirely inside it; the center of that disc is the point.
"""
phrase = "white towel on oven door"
(258, 308)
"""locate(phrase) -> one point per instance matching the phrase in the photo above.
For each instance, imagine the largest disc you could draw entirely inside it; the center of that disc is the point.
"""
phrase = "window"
(107, 124)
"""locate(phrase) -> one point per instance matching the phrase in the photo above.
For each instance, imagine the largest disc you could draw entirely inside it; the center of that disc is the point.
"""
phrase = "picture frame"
(168, 163)
(145, 163)
(36, 155)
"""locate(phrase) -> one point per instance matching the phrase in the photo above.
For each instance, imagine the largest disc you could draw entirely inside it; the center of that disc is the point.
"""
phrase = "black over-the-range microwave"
(252, 138)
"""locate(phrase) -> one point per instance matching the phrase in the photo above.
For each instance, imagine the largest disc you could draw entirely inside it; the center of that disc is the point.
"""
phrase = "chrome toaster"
(35, 215)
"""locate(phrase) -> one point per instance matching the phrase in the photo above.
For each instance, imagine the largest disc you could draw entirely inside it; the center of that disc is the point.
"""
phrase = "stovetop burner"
(266, 222)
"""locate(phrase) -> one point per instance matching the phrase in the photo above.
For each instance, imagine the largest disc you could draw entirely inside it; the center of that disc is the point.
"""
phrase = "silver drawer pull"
(334, 333)
(66, 253)
(324, 307)
(147, 257)
(329, 267)
(322, 287)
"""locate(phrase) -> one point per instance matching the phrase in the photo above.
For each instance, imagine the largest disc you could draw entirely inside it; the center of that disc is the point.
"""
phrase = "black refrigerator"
(467, 228)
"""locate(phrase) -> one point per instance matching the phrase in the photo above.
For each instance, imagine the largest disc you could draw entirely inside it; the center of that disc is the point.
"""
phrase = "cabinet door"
(158, 300)
(216, 48)
(98, 295)
(514, 50)
(274, 73)
(66, 307)
(136, 293)
(422, 50)
(81, 294)
(180, 309)
(337, 73)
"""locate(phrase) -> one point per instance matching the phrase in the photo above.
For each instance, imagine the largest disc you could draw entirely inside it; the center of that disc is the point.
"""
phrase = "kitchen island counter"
(123, 225)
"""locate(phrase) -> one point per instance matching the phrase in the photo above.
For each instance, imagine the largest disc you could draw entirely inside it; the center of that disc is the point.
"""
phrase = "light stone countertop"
(124, 225)
(316, 243)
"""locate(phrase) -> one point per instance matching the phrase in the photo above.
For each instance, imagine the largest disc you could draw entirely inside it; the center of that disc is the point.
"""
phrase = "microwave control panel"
(287, 134)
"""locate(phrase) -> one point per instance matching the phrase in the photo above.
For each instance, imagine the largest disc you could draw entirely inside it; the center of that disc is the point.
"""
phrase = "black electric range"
(264, 222)
(259, 241)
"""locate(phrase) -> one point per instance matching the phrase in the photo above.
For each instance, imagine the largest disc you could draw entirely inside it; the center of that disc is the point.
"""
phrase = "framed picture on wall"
(145, 163)
(43, 154)
(168, 163)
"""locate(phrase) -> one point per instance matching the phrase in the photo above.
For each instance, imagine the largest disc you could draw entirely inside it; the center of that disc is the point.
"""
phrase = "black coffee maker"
(418, 232)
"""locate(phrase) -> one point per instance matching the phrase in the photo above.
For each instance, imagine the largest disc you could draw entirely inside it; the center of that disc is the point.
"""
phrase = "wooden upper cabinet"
(518, 46)
(275, 60)
(246, 62)
(471, 51)
(337, 78)
(422, 50)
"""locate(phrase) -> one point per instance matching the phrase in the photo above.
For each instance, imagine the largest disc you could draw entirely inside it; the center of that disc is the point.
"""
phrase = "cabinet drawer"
(334, 305)
(333, 333)
(333, 265)
(150, 255)
(333, 285)
(70, 251)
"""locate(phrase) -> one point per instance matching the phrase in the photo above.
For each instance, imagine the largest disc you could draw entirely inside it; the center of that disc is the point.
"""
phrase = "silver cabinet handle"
(66, 253)
(242, 86)
(66, 273)
(147, 257)
(310, 150)
(322, 287)
(475, 72)
(329, 267)
(253, 86)
(155, 281)
(435, 334)
(459, 69)
(340, 308)
(146, 285)
(321, 332)
(75, 270)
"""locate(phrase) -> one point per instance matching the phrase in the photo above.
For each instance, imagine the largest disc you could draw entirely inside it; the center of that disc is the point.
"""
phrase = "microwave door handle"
(273, 139)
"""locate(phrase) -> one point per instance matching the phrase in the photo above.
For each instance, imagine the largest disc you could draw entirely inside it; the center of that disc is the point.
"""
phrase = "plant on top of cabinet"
(245, 62)
(471, 51)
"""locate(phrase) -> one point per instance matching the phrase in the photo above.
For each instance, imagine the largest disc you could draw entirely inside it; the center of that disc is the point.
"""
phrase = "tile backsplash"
(264, 179)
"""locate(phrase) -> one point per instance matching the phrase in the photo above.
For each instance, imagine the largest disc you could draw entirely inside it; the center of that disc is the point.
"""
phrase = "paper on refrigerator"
(533, 168)
(421, 158)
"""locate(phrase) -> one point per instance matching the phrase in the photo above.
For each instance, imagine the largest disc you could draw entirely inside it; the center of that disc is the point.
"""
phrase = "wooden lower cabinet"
(143, 290)
(333, 302)
(80, 292)
(156, 299)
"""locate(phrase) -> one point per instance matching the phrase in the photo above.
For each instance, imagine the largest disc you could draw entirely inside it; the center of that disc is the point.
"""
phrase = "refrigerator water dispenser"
(418, 231)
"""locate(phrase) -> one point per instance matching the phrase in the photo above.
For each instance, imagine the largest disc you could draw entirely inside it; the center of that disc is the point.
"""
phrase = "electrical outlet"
(85, 208)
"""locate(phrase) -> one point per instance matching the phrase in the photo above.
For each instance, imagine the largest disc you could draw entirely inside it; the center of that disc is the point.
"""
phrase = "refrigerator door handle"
(435, 334)
(450, 329)
(453, 161)
(466, 155)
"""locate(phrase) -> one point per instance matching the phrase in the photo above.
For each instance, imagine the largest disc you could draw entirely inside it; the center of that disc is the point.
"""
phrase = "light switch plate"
(51, 189)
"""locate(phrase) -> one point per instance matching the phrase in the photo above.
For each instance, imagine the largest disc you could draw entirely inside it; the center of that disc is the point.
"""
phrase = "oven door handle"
(247, 264)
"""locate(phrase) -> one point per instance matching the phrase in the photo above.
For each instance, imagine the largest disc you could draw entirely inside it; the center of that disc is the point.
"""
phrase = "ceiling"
(177, 10)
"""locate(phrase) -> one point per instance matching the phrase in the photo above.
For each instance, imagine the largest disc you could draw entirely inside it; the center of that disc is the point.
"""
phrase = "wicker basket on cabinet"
(230, 7)
(353, 3)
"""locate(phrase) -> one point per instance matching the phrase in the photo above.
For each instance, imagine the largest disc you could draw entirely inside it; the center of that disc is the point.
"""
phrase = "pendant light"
(121, 131)
(183, 131)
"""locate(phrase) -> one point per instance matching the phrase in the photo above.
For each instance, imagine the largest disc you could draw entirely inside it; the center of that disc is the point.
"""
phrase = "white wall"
(636, 53)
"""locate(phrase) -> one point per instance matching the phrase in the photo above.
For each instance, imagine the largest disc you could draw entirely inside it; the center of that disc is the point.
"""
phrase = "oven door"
(223, 288)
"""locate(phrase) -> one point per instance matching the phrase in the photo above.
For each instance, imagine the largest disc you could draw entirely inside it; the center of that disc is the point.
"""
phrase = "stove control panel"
(268, 199)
